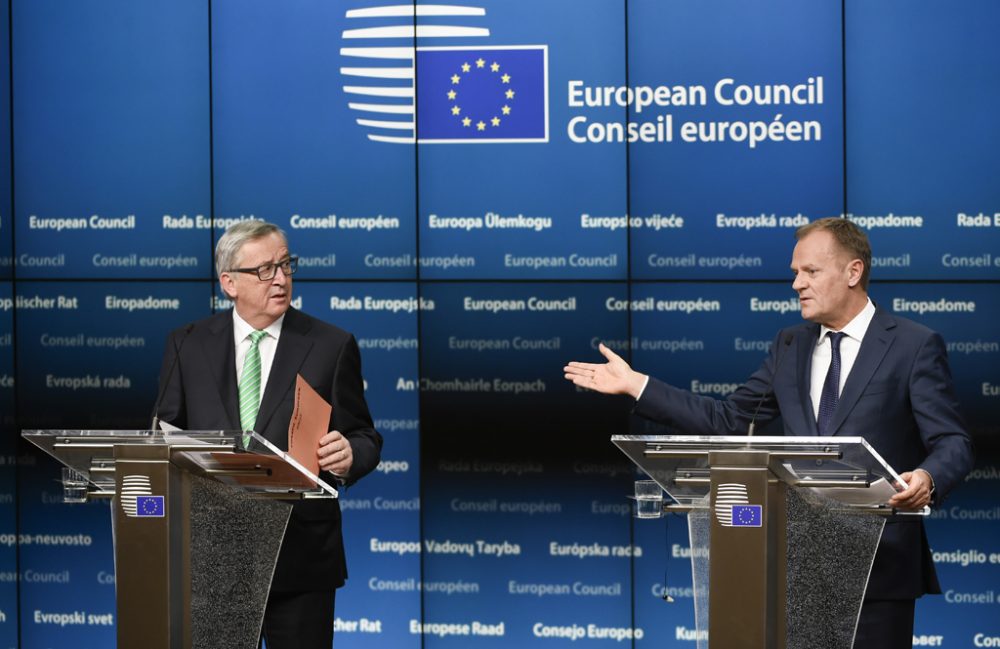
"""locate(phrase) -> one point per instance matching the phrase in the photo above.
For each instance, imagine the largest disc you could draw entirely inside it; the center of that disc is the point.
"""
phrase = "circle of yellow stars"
(456, 109)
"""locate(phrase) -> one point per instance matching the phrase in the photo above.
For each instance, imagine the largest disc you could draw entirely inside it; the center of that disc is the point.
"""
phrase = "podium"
(783, 532)
(197, 518)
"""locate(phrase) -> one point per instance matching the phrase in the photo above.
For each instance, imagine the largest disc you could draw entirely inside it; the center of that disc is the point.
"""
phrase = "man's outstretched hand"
(613, 377)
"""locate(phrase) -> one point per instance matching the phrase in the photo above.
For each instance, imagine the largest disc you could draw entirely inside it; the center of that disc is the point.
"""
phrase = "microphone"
(170, 375)
(777, 361)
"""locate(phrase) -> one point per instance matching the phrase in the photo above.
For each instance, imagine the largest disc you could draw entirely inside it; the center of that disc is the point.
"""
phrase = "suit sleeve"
(350, 413)
(695, 414)
(939, 419)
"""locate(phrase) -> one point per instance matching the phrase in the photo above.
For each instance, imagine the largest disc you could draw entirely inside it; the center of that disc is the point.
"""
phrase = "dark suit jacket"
(899, 396)
(202, 395)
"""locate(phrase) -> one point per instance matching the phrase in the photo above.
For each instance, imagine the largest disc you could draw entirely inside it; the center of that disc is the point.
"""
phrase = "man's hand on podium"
(917, 495)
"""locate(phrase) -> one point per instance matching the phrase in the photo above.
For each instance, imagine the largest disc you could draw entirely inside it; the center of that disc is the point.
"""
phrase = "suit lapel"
(293, 347)
(876, 343)
(804, 354)
(219, 349)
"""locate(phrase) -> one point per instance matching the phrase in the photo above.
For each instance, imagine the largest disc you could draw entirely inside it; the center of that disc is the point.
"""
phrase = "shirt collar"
(241, 329)
(856, 328)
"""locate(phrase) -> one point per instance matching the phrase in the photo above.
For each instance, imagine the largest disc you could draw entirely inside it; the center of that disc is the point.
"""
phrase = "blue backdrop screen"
(481, 192)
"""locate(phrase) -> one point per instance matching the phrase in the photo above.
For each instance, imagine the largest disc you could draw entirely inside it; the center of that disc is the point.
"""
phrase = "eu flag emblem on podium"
(151, 506)
(482, 94)
(747, 515)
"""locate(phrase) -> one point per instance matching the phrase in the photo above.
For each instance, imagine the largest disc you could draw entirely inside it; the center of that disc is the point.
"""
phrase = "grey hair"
(236, 236)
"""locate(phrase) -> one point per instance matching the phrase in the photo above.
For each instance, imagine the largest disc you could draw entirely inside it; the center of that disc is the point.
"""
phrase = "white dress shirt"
(268, 345)
(850, 344)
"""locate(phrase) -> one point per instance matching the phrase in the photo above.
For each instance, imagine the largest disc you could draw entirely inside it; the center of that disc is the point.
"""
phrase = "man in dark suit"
(885, 379)
(230, 376)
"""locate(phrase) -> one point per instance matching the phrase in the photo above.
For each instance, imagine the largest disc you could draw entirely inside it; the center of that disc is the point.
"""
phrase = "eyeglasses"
(266, 272)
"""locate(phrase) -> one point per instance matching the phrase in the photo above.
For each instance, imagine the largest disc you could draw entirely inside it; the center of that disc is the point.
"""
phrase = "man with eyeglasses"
(218, 356)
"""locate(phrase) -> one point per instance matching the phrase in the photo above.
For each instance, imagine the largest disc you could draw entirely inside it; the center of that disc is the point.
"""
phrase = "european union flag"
(149, 506)
(747, 515)
(483, 94)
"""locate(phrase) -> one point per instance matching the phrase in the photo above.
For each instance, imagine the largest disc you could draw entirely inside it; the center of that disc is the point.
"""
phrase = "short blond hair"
(851, 239)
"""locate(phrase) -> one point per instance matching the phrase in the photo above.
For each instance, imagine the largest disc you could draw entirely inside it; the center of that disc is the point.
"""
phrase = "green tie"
(250, 385)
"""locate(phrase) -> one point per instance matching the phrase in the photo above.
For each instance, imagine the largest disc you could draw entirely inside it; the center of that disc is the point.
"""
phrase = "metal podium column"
(747, 582)
(151, 563)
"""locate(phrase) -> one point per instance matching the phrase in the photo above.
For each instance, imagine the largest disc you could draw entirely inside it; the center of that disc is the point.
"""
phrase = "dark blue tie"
(831, 387)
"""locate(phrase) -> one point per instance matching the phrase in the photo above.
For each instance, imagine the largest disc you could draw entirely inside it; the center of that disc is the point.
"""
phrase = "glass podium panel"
(247, 461)
(234, 541)
(846, 469)
(829, 557)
